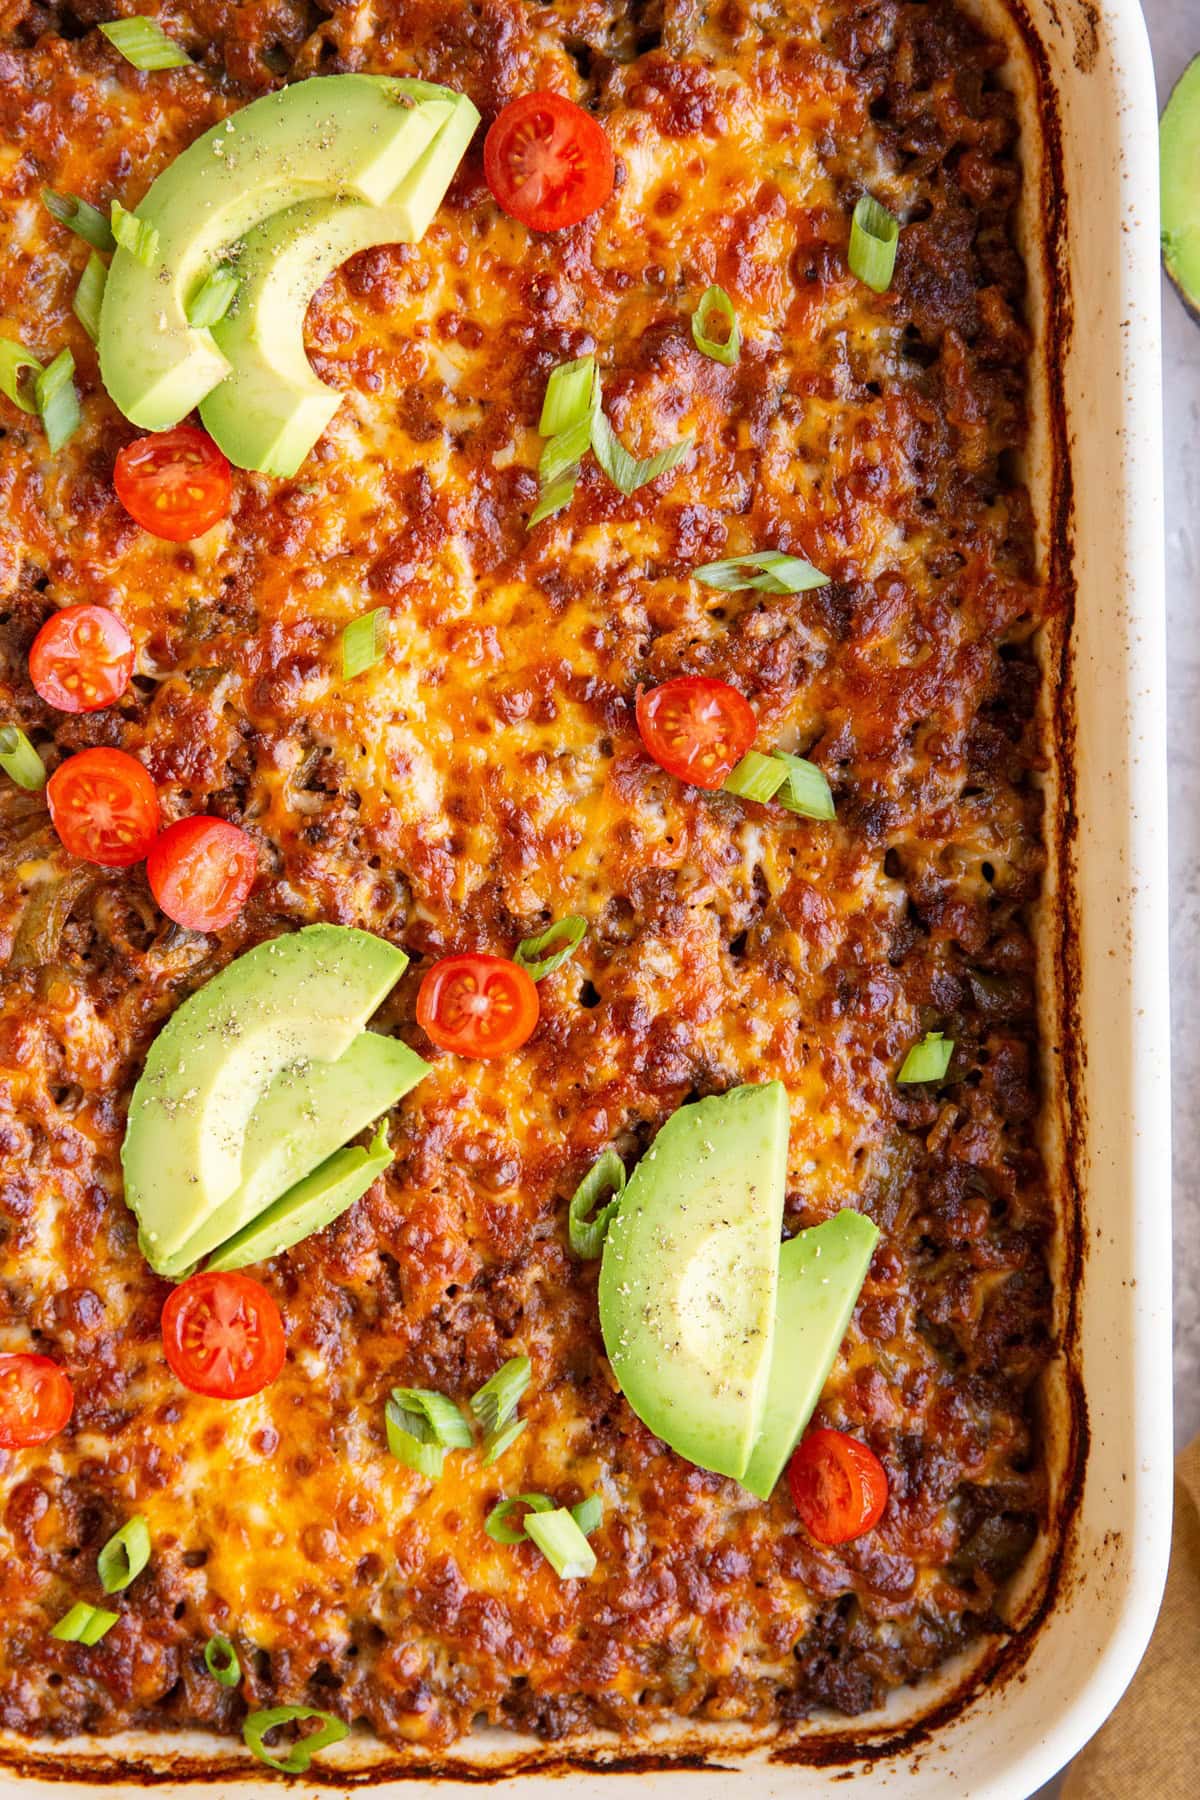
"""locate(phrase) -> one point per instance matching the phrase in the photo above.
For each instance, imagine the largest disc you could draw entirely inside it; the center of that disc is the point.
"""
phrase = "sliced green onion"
(364, 642)
(421, 1426)
(19, 760)
(214, 298)
(423, 1459)
(566, 424)
(589, 1514)
(497, 1442)
(874, 240)
(568, 398)
(79, 216)
(561, 454)
(124, 1556)
(715, 304)
(221, 1661)
(553, 498)
(417, 1453)
(561, 1542)
(57, 400)
(622, 469)
(135, 235)
(560, 940)
(89, 296)
(257, 1724)
(496, 1401)
(502, 1533)
(145, 44)
(770, 571)
(606, 1176)
(84, 1624)
(928, 1060)
(756, 777)
(573, 398)
(15, 363)
(807, 792)
(433, 1418)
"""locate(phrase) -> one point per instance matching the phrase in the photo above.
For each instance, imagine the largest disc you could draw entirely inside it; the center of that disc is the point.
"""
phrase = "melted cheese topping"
(487, 777)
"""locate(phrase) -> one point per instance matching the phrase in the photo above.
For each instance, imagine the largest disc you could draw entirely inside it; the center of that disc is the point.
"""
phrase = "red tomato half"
(104, 807)
(547, 162)
(696, 728)
(223, 1336)
(175, 483)
(81, 659)
(839, 1486)
(36, 1400)
(200, 872)
(478, 1005)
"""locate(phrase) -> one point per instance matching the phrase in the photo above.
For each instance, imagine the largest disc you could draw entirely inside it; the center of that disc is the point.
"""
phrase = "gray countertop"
(1175, 34)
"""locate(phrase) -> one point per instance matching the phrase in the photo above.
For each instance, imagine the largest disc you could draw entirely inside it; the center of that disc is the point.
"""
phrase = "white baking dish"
(1091, 139)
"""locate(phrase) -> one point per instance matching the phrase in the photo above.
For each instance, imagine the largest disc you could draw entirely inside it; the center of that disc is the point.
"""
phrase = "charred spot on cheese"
(258, 1078)
(360, 138)
(687, 1282)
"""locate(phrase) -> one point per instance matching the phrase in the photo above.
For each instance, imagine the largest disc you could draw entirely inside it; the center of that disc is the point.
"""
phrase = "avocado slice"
(821, 1272)
(271, 408)
(1179, 143)
(356, 136)
(291, 1004)
(688, 1276)
(308, 1111)
(312, 1204)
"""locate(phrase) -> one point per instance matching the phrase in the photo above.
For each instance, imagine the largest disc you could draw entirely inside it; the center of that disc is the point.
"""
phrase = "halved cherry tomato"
(36, 1400)
(81, 659)
(223, 1336)
(104, 807)
(696, 728)
(547, 162)
(175, 483)
(200, 872)
(478, 1005)
(839, 1486)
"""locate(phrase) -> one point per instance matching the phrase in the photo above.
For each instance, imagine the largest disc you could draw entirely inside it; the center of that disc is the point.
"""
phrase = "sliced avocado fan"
(688, 1276)
(375, 142)
(302, 1117)
(271, 407)
(312, 1204)
(254, 1081)
(1179, 140)
(720, 1337)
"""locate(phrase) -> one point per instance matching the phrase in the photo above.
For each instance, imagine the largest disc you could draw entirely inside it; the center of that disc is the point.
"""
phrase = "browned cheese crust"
(487, 777)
